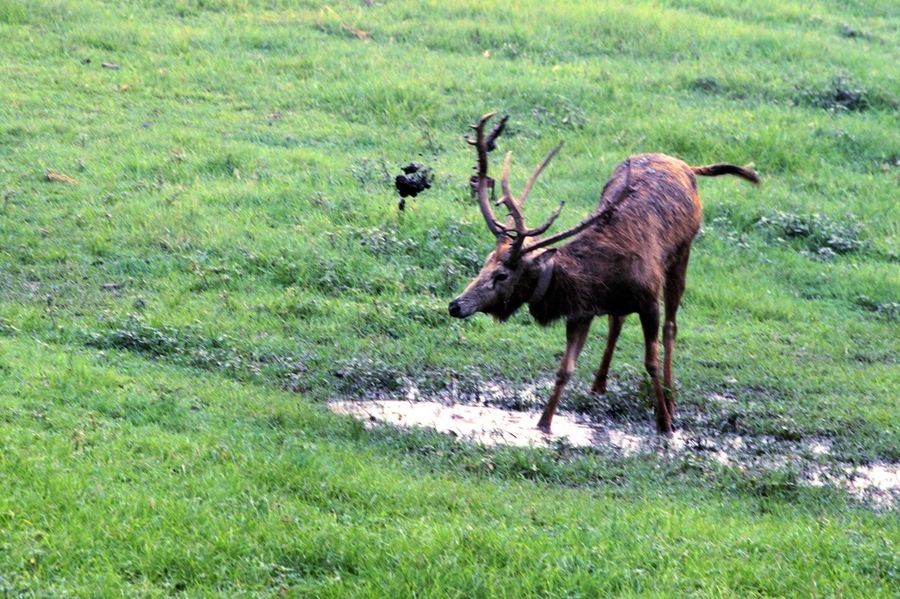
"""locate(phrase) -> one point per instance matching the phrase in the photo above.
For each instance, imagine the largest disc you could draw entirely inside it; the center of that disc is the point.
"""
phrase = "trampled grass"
(223, 252)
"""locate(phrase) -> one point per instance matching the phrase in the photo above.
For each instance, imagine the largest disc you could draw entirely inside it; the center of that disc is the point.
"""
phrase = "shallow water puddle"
(488, 425)
(482, 424)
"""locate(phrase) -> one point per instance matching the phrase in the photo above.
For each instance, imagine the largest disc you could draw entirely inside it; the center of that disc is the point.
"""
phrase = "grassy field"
(200, 245)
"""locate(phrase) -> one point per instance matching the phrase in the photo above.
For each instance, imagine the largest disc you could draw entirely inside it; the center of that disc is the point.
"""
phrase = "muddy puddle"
(481, 424)
(876, 483)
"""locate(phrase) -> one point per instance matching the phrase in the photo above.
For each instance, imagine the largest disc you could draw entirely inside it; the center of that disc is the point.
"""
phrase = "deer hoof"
(668, 434)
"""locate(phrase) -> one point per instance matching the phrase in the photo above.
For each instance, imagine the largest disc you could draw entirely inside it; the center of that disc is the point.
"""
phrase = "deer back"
(657, 207)
(620, 262)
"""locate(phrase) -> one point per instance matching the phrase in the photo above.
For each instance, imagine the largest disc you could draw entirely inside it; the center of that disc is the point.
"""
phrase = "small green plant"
(364, 377)
(707, 85)
(780, 483)
(842, 94)
(887, 310)
(848, 31)
(382, 241)
(820, 235)
(371, 172)
(559, 111)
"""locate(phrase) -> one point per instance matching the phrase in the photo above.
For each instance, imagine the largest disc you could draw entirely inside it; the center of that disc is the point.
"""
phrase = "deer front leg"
(576, 335)
(650, 325)
(615, 327)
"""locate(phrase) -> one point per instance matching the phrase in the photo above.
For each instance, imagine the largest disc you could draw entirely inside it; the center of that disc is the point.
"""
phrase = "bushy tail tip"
(715, 170)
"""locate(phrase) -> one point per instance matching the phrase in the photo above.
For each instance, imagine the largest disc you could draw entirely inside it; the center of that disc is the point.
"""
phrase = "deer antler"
(537, 173)
(603, 215)
(515, 206)
(490, 143)
(568, 232)
(481, 180)
(517, 229)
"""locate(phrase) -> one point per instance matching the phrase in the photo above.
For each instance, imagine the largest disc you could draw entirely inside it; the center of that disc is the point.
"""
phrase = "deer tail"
(714, 170)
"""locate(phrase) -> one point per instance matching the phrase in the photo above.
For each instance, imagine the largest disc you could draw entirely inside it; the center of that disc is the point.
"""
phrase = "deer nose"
(455, 309)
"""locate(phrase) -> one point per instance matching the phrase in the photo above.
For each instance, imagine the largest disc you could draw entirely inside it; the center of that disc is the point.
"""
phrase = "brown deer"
(631, 252)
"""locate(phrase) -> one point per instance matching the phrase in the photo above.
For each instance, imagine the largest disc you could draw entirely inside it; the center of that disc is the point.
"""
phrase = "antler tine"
(515, 209)
(537, 173)
(508, 200)
(504, 179)
(483, 120)
(481, 178)
(567, 233)
(490, 143)
(603, 215)
(539, 230)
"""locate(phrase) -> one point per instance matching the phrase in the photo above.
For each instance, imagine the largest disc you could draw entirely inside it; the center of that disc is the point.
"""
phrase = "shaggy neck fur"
(561, 297)
(575, 292)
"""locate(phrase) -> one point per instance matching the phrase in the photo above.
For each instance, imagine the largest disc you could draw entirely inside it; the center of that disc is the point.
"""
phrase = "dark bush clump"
(841, 95)
(820, 234)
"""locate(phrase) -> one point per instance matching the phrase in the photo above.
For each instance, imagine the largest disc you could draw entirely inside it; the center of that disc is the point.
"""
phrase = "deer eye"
(500, 277)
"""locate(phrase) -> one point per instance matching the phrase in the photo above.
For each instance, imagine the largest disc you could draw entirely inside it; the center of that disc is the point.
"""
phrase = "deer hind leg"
(615, 327)
(675, 283)
(650, 326)
(576, 335)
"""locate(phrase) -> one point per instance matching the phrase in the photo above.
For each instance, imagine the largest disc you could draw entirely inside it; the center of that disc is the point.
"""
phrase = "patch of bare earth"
(878, 483)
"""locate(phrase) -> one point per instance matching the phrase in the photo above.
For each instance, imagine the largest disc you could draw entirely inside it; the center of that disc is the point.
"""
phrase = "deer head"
(520, 267)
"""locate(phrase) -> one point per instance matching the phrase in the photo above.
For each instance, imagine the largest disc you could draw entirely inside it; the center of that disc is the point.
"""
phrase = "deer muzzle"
(456, 310)
(460, 308)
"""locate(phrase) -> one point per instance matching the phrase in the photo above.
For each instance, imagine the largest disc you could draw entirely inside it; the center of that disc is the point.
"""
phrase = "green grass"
(232, 256)
(122, 476)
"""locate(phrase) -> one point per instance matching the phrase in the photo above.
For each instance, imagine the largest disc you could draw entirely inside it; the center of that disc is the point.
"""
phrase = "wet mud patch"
(761, 461)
